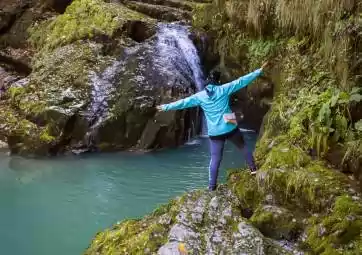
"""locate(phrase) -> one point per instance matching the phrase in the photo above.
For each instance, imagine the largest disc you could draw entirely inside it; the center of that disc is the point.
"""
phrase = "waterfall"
(171, 36)
(178, 36)
(173, 54)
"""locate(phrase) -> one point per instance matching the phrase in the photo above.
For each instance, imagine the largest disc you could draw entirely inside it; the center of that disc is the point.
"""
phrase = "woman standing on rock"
(221, 121)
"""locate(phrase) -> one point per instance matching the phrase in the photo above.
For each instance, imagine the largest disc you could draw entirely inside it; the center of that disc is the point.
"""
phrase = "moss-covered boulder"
(338, 232)
(98, 72)
(314, 207)
(276, 222)
(197, 223)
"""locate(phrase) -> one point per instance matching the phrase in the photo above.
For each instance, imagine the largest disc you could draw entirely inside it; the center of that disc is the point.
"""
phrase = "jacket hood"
(210, 90)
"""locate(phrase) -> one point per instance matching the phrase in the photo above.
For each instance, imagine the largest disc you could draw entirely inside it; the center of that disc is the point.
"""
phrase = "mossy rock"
(276, 222)
(131, 237)
(23, 136)
(67, 67)
(58, 88)
(285, 157)
(246, 188)
(338, 232)
(197, 223)
(311, 188)
(83, 19)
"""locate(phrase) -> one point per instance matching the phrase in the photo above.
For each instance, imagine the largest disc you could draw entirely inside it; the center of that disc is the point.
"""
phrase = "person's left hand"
(159, 108)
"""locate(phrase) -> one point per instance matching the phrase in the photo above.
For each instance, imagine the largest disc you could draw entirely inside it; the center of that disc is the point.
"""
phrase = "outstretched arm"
(240, 83)
(243, 81)
(187, 102)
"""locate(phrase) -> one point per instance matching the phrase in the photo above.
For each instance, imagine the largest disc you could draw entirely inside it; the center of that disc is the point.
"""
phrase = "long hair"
(213, 78)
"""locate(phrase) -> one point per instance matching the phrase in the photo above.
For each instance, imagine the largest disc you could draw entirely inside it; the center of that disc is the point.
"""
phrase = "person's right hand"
(265, 64)
(159, 108)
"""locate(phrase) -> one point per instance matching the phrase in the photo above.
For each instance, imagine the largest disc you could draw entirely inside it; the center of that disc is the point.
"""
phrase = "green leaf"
(355, 98)
(334, 100)
(358, 125)
(343, 101)
(355, 90)
(324, 113)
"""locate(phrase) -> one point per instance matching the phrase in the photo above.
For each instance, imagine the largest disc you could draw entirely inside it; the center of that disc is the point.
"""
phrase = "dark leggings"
(217, 149)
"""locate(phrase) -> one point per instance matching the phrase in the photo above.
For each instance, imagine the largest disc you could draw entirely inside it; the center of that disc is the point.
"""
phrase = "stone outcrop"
(197, 223)
(95, 76)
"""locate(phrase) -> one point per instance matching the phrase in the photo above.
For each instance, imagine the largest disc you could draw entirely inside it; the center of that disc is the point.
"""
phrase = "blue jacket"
(215, 103)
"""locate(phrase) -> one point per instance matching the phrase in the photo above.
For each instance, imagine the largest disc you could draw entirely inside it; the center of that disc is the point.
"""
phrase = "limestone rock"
(202, 222)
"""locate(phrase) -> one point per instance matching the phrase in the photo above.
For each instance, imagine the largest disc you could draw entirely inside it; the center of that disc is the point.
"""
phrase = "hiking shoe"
(212, 188)
(253, 171)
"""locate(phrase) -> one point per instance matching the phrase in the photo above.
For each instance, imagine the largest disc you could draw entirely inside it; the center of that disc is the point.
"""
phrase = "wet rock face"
(94, 89)
(9, 11)
(121, 112)
(6, 79)
(57, 5)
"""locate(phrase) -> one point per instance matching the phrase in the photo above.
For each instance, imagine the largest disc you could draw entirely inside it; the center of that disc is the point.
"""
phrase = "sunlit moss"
(82, 19)
(137, 236)
(246, 188)
(286, 157)
(311, 187)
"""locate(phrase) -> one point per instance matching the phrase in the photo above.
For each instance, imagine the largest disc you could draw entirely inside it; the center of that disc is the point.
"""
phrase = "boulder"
(276, 222)
(199, 222)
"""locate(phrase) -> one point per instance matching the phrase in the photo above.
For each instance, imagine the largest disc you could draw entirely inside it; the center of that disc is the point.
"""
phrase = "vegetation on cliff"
(313, 129)
(316, 69)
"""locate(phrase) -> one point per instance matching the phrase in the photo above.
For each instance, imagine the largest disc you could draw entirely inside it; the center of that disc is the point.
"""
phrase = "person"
(221, 121)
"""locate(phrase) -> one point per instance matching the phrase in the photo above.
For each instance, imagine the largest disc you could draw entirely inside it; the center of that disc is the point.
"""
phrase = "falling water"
(175, 35)
(102, 89)
(178, 36)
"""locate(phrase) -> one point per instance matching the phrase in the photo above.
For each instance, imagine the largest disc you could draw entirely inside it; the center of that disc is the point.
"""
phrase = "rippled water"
(56, 206)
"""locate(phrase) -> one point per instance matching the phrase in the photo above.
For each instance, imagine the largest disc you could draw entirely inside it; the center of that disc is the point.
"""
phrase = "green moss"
(65, 67)
(260, 50)
(14, 92)
(338, 232)
(201, 15)
(310, 188)
(246, 188)
(165, 208)
(82, 19)
(286, 156)
(275, 222)
(137, 236)
(45, 136)
(130, 237)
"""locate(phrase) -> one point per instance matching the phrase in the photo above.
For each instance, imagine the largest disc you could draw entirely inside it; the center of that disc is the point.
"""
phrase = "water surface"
(55, 206)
